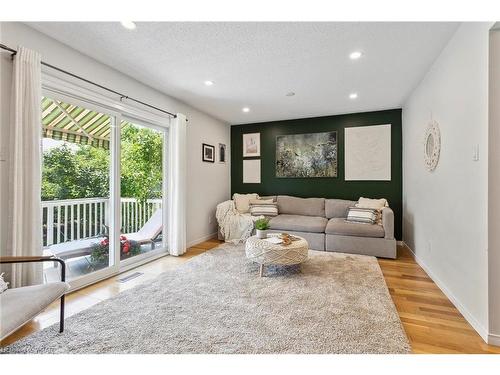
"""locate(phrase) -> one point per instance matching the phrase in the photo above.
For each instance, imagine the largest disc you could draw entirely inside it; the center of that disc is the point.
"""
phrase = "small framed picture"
(251, 144)
(208, 153)
(251, 171)
(222, 153)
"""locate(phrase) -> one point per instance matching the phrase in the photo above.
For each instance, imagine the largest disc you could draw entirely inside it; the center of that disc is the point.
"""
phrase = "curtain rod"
(122, 96)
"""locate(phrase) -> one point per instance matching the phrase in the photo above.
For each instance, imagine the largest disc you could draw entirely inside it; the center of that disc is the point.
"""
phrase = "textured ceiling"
(257, 64)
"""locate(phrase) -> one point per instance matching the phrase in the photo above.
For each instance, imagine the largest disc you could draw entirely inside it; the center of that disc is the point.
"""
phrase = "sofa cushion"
(301, 206)
(311, 224)
(340, 227)
(316, 241)
(19, 305)
(337, 207)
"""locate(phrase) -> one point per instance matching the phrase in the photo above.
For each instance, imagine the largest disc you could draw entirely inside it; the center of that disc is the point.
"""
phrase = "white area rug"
(217, 303)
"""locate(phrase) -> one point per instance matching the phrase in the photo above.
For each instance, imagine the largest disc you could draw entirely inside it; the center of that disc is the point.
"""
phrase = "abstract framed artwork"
(306, 155)
(367, 153)
(208, 153)
(251, 145)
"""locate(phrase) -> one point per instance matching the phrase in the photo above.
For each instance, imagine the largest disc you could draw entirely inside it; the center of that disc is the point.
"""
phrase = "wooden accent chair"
(19, 305)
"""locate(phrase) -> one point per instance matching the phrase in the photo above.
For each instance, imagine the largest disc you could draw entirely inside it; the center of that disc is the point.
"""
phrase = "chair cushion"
(3, 285)
(20, 305)
(337, 207)
(339, 226)
(299, 223)
(301, 206)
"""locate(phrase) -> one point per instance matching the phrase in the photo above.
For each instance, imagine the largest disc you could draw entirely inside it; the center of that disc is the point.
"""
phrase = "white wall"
(445, 211)
(208, 184)
(493, 190)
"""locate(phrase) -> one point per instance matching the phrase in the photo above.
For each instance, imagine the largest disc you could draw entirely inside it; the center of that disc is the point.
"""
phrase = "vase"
(261, 233)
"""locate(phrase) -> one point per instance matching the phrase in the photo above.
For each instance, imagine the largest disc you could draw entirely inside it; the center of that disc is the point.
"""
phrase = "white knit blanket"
(234, 226)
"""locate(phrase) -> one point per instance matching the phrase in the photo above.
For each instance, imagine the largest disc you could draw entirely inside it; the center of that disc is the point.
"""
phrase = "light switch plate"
(475, 152)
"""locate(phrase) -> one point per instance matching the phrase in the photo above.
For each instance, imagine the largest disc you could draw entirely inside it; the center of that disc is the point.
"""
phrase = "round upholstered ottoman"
(265, 252)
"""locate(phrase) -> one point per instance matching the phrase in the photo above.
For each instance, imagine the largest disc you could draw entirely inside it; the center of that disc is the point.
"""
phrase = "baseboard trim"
(494, 339)
(482, 331)
(201, 239)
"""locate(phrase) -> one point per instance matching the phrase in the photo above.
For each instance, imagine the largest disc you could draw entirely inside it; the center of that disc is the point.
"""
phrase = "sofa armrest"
(388, 222)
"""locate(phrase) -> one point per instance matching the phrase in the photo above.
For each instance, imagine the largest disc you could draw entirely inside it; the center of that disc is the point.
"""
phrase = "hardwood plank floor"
(432, 323)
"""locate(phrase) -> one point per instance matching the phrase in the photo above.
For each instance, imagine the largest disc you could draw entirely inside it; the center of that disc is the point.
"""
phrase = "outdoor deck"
(80, 266)
(73, 228)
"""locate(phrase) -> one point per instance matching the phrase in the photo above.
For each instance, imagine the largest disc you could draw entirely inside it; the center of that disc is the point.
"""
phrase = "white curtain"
(177, 185)
(24, 209)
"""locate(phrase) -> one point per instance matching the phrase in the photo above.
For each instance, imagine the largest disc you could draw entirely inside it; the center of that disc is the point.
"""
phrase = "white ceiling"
(257, 64)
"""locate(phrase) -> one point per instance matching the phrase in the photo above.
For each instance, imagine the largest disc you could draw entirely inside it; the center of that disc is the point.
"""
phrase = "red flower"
(123, 238)
(105, 242)
(126, 248)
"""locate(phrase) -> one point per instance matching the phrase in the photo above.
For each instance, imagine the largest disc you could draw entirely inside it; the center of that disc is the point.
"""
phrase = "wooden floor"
(432, 323)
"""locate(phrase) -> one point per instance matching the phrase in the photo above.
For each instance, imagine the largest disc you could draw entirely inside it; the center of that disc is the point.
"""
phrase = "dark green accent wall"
(335, 187)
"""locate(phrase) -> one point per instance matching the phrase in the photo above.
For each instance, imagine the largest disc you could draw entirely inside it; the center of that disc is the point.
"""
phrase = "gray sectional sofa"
(322, 223)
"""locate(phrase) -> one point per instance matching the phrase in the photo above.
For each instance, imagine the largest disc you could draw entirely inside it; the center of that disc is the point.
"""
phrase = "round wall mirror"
(432, 145)
(429, 147)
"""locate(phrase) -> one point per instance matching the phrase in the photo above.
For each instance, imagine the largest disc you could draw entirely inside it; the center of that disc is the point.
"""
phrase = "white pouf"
(265, 252)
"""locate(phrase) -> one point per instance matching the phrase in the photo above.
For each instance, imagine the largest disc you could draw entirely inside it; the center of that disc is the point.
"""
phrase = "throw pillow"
(262, 201)
(362, 215)
(3, 285)
(372, 203)
(378, 204)
(264, 208)
(242, 201)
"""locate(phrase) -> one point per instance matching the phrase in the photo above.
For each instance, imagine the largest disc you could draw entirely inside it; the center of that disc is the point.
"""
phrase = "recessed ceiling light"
(355, 55)
(128, 25)
(353, 95)
(245, 109)
(291, 93)
(209, 83)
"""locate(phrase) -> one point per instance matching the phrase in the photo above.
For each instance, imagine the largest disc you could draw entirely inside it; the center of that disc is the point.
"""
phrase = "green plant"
(73, 171)
(100, 250)
(262, 224)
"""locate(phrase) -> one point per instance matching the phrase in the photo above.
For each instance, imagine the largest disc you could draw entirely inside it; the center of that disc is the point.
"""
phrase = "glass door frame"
(55, 87)
(114, 189)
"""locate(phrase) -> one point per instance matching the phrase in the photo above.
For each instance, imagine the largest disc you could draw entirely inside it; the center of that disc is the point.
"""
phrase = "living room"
(327, 189)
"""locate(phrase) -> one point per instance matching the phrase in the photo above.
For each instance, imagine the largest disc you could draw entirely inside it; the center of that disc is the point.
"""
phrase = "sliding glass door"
(141, 189)
(103, 189)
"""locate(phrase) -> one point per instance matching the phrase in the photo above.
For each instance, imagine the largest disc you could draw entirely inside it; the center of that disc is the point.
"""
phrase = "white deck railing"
(74, 219)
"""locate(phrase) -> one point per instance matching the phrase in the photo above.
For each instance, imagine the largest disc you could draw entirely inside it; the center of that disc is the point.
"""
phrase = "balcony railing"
(75, 219)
